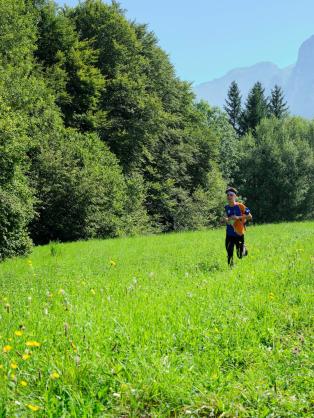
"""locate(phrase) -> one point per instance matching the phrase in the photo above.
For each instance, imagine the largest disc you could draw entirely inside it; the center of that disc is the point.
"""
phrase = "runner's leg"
(240, 246)
(229, 248)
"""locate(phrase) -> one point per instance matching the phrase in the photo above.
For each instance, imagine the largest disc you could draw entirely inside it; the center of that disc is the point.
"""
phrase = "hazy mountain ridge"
(297, 81)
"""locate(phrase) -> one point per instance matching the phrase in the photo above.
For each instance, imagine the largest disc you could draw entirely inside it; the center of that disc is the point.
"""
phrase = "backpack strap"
(242, 208)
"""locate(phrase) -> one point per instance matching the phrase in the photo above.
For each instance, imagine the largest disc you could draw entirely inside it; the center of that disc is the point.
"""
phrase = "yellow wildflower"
(93, 291)
(23, 383)
(271, 296)
(73, 346)
(13, 365)
(7, 348)
(32, 344)
(113, 263)
(18, 333)
(54, 375)
(33, 408)
(25, 356)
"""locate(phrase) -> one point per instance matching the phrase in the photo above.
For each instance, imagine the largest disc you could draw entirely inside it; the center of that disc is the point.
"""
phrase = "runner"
(236, 216)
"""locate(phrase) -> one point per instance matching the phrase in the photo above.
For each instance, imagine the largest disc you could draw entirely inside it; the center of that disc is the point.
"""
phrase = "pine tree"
(256, 109)
(233, 106)
(277, 104)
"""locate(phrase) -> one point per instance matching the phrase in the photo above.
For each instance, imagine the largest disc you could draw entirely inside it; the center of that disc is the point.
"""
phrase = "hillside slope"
(158, 326)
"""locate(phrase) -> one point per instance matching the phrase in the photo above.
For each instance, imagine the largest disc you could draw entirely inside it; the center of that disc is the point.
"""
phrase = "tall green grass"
(158, 326)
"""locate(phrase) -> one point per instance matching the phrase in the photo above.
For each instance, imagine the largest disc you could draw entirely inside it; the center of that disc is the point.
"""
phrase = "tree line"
(99, 137)
(257, 107)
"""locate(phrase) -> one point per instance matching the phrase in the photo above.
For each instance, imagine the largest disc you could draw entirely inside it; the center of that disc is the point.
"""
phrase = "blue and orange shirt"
(237, 229)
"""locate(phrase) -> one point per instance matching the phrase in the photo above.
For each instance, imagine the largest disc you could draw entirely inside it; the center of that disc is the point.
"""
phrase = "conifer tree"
(233, 106)
(277, 105)
(255, 110)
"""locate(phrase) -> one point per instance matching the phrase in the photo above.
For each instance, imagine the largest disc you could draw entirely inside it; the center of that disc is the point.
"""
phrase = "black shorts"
(238, 242)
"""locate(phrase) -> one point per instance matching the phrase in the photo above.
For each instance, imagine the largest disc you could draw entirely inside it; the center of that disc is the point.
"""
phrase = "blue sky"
(207, 38)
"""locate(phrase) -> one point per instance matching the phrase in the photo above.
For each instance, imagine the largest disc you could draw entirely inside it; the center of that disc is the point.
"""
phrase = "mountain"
(300, 87)
(296, 80)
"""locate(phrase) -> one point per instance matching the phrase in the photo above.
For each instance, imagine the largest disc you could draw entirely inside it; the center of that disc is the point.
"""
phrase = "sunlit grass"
(159, 326)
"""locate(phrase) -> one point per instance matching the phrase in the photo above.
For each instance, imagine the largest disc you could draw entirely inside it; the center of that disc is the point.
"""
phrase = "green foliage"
(203, 208)
(16, 202)
(256, 108)
(152, 125)
(17, 38)
(229, 143)
(277, 170)
(135, 219)
(233, 106)
(277, 104)
(80, 190)
(69, 65)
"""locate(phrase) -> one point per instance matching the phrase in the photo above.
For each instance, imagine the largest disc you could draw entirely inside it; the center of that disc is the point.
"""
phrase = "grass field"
(158, 326)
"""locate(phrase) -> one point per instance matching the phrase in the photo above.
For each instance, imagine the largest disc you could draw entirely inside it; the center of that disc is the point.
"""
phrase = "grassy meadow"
(158, 326)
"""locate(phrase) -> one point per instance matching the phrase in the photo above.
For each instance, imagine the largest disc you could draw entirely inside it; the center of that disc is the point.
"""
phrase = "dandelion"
(7, 348)
(13, 365)
(33, 408)
(54, 375)
(113, 263)
(29, 262)
(18, 333)
(33, 344)
(23, 383)
(25, 356)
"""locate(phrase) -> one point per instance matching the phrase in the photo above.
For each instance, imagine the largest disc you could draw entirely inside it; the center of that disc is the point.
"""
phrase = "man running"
(236, 216)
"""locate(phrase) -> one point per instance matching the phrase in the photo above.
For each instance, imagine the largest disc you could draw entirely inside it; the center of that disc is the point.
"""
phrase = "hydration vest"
(239, 224)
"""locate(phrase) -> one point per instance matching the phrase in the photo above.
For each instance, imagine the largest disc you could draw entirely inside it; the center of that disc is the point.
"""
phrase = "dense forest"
(99, 137)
